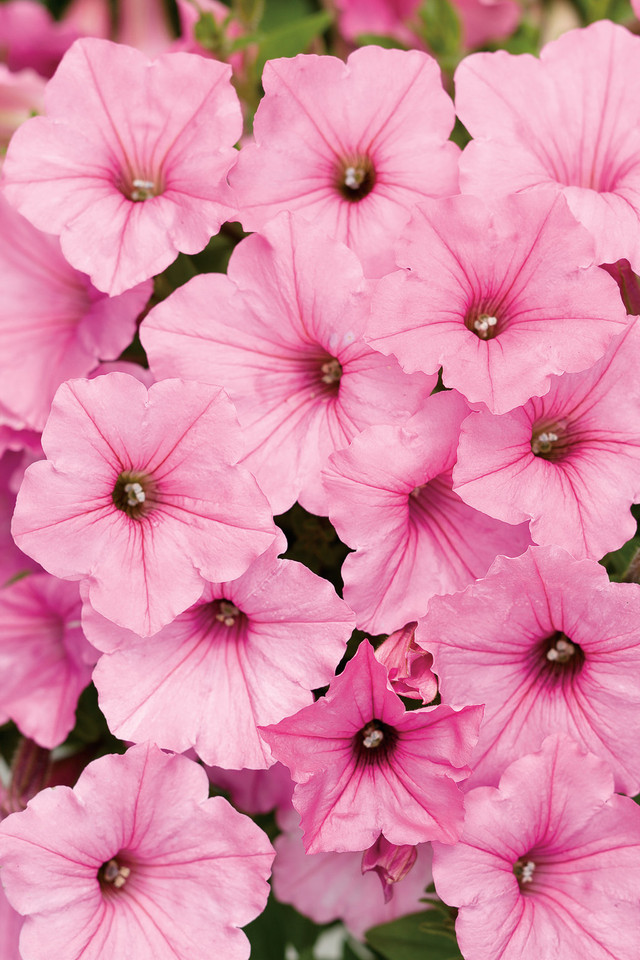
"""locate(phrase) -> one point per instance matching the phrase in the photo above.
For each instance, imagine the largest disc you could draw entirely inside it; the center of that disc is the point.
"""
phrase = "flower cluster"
(428, 349)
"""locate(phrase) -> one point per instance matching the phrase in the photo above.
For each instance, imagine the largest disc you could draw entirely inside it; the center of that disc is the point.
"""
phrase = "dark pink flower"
(364, 766)
(390, 499)
(141, 497)
(568, 462)
(286, 341)
(127, 181)
(31, 38)
(570, 120)
(135, 861)
(249, 652)
(408, 665)
(549, 645)
(499, 296)
(548, 865)
(353, 163)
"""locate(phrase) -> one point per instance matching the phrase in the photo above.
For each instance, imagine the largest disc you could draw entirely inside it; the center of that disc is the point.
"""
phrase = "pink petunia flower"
(390, 499)
(332, 886)
(140, 497)
(128, 167)
(570, 120)
(54, 324)
(31, 39)
(283, 335)
(408, 665)
(45, 660)
(364, 766)
(249, 652)
(548, 865)
(355, 164)
(21, 96)
(135, 861)
(549, 645)
(500, 296)
(568, 461)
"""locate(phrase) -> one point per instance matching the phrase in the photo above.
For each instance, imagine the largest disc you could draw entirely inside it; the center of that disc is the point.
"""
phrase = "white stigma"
(331, 371)
(562, 652)
(372, 738)
(527, 871)
(483, 325)
(135, 494)
(228, 613)
(143, 189)
(353, 177)
(115, 874)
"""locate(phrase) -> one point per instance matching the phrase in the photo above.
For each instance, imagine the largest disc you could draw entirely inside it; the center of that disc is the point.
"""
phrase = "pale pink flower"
(285, 341)
(12, 560)
(549, 645)
(352, 162)
(571, 120)
(128, 167)
(568, 461)
(144, 24)
(54, 324)
(140, 497)
(332, 886)
(91, 18)
(10, 927)
(364, 766)
(548, 865)
(254, 791)
(45, 660)
(249, 652)
(499, 296)
(135, 861)
(390, 499)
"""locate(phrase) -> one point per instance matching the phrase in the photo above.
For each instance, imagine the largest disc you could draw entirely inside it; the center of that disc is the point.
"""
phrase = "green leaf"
(278, 926)
(291, 38)
(209, 33)
(378, 40)
(440, 28)
(418, 936)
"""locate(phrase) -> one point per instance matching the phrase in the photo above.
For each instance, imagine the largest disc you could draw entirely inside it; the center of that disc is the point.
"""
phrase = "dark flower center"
(550, 441)
(355, 178)
(484, 322)
(331, 372)
(113, 874)
(374, 743)
(221, 615)
(557, 659)
(524, 870)
(133, 493)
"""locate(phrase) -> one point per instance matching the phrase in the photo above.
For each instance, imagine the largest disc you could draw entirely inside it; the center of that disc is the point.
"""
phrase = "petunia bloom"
(549, 645)
(249, 652)
(390, 499)
(570, 120)
(501, 297)
(129, 164)
(137, 501)
(364, 766)
(135, 861)
(283, 334)
(548, 864)
(567, 461)
(353, 163)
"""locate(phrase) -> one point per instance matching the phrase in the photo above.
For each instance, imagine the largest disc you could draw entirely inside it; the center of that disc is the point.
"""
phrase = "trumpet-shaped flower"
(135, 861)
(549, 645)
(129, 164)
(363, 766)
(570, 120)
(141, 497)
(500, 296)
(548, 864)
(353, 163)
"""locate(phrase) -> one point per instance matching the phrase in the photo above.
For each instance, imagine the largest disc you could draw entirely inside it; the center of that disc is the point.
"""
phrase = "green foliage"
(440, 28)
(419, 936)
(278, 926)
(378, 40)
(313, 541)
(617, 10)
(286, 40)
